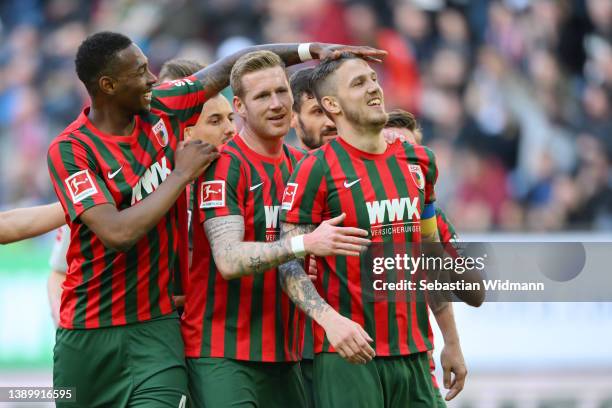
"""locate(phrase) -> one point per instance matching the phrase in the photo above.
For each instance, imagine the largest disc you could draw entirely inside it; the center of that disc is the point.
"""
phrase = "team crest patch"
(417, 175)
(289, 196)
(80, 185)
(161, 133)
(212, 194)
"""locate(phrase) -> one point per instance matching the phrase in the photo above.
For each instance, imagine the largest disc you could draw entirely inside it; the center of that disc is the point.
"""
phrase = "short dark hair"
(401, 119)
(178, 68)
(319, 78)
(96, 55)
(300, 85)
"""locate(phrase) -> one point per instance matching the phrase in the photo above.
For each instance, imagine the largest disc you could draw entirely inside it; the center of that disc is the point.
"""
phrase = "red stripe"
(183, 102)
(118, 290)
(92, 310)
(143, 275)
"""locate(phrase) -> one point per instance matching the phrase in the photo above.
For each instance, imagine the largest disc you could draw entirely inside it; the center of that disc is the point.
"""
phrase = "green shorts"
(440, 402)
(384, 382)
(224, 382)
(138, 365)
(307, 367)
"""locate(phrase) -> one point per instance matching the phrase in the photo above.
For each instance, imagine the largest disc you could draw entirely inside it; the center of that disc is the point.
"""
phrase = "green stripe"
(131, 285)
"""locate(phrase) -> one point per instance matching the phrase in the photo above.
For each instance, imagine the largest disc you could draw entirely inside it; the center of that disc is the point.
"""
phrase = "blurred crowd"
(514, 96)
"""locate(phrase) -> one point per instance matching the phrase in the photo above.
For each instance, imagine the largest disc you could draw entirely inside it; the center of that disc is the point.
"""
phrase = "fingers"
(446, 376)
(457, 383)
(337, 220)
(351, 230)
(349, 248)
(354, 240)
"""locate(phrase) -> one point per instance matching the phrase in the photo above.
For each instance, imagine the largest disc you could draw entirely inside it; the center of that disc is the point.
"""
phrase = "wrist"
(180, 176)
(326, 318)
(297, 246)
(315, 50)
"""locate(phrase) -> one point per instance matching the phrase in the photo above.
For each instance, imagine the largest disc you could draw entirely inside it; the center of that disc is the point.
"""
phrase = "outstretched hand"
(333, 51)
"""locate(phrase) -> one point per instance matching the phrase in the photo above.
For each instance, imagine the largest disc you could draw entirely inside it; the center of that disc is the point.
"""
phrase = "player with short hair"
(118, 171)
(243, 337)
(312, 126)
(346, 175)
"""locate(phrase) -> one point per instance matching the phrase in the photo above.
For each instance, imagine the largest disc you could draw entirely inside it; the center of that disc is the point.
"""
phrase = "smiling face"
(311, 124)
(133, 82)
(265, 106)
(358, 96)
(215, 124)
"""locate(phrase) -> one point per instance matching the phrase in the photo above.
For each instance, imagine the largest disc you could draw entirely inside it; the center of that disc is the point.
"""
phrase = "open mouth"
(374, 102)
(277, 117)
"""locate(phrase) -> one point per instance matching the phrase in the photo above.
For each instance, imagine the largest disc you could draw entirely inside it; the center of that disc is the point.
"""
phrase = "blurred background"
(513, 96)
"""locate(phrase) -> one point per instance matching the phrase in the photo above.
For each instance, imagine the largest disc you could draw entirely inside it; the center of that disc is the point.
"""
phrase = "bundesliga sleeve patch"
(212, 194)
(289, 196)
(80, 185)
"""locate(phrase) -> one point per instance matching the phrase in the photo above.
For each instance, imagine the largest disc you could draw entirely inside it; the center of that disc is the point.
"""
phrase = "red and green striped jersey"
(384, 194)
(446, 230)
(88, 168)
(249, 318)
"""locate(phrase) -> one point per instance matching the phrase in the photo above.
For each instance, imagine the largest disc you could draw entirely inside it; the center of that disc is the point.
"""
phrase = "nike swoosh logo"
(113, 174)
(255, 187)
(352, 183)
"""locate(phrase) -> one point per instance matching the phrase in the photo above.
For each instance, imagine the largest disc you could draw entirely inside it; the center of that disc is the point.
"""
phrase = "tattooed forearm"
(234, 257)
(216, 76)
(294, 280)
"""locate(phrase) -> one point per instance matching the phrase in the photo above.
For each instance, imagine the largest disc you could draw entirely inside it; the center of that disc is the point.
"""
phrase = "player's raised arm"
(216, 76)
(348, 338)
(24, 223)
(236, 258)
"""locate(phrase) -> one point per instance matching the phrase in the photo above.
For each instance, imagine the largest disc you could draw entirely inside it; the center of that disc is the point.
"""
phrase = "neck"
(368, 140)
(111, 120)
(272, 147)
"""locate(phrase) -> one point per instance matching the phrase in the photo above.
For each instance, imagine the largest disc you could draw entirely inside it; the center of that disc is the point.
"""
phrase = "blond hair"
(252, 62)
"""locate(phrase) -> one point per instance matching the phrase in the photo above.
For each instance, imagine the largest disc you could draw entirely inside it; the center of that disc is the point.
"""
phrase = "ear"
(331, 105)
(239, 107)
(107, 85)
(294, 120)
(188, 135)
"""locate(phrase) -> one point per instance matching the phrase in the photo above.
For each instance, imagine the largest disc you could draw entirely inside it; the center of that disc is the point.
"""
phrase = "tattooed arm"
(348, 338)
(236, 258)
(215, 76)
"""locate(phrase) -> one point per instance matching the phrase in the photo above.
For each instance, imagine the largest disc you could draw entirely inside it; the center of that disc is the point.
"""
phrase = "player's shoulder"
(293, 152)
(420, 154)
(72, 133)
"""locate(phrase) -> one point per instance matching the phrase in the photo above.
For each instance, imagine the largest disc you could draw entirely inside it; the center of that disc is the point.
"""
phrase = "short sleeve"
(57, 260)
(446, 230)
(182, 98)
(75, 179)
(305, 196)
(220, 190)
